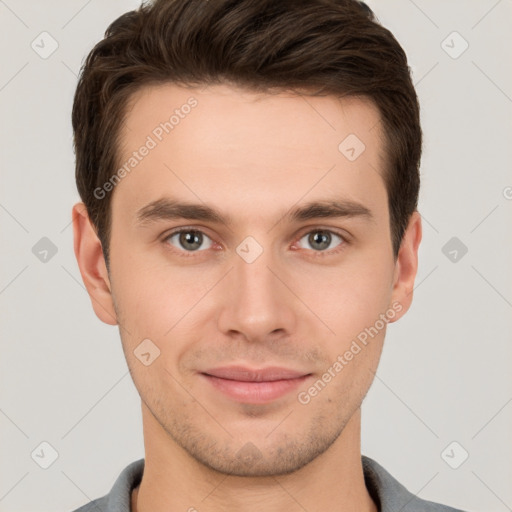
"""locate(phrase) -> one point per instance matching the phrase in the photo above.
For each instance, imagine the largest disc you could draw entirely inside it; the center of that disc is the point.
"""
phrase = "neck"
(173, 480)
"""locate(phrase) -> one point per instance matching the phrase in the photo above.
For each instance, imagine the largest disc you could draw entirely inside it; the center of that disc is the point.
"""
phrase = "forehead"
(217, 106)
(223, 142)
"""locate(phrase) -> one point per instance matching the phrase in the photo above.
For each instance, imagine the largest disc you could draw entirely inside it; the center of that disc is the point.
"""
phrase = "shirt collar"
(388, 494)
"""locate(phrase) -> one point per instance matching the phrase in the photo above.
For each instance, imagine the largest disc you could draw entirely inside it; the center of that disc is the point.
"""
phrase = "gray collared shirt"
(388, 494)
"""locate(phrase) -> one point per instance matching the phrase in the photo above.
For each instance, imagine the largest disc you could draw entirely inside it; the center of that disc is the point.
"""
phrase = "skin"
(252, 157)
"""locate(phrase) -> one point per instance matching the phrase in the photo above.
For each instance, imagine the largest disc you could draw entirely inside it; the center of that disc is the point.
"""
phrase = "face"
(252, 273)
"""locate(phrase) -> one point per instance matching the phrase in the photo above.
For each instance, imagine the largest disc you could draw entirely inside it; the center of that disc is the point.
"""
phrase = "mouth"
(254, 386)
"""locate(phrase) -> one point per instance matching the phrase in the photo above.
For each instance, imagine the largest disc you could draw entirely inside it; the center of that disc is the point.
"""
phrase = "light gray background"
(445, 371)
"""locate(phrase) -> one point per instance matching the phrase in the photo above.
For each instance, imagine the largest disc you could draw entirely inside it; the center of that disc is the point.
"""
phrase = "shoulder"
(390, 495)
(119, 497)
(97, 505)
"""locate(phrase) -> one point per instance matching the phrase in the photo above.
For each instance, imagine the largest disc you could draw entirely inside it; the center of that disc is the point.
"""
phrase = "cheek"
(170, 308)
(346, 378)
(153, 298)
(350, 297)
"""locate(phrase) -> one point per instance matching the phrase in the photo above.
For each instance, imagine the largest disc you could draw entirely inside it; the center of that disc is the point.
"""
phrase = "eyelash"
(187, 254)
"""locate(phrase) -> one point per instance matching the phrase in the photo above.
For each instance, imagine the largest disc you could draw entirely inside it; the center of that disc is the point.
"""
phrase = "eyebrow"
(169, 209)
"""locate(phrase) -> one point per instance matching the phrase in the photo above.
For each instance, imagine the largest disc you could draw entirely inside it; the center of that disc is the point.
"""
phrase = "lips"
(243, 374)
(256, 386)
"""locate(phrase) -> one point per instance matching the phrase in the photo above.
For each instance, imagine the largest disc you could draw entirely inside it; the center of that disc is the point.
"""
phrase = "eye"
(190, 240)
(321, 239)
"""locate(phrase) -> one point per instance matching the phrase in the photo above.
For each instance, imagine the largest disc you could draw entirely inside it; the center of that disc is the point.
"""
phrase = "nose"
(257, 301)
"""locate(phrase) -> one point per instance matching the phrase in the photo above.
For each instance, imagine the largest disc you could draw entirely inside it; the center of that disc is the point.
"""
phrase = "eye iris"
(323, 238)
(191, 239)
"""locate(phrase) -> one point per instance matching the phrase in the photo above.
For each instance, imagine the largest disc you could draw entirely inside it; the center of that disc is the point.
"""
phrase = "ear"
(91, 262)
(406, 266)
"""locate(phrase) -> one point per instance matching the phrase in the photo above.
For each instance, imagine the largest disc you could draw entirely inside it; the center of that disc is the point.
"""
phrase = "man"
(249, 178)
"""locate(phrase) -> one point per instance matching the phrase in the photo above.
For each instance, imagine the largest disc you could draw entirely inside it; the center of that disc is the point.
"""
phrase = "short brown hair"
(327, 47)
